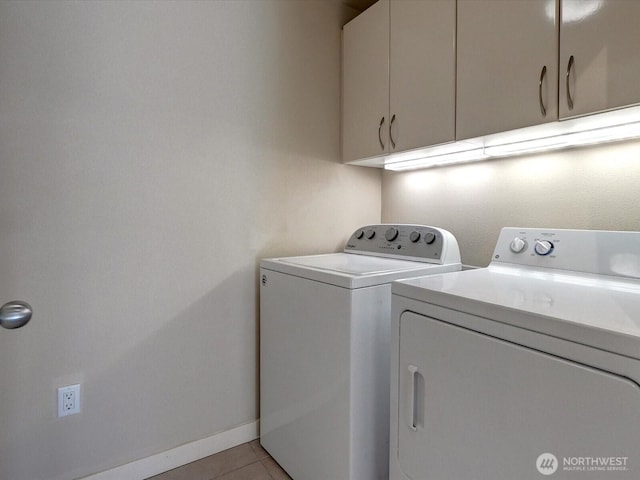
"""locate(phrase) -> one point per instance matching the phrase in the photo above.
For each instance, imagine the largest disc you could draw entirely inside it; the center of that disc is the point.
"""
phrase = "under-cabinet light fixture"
(465, 156)
(617, 125)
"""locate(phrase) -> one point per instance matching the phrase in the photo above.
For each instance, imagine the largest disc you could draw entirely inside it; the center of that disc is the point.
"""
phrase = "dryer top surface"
(596, 310)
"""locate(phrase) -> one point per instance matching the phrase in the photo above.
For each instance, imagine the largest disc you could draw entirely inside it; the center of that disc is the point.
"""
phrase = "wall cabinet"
(398, 78)
(420, 73)
(599, 55)
(507, 74)
(507, 65)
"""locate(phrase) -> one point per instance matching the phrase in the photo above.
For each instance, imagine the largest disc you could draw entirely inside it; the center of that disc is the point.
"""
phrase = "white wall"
(150, 154)
(595, 188)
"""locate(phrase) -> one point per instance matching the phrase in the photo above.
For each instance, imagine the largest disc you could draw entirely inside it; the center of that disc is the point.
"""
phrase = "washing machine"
(526, 369)
(325, 324)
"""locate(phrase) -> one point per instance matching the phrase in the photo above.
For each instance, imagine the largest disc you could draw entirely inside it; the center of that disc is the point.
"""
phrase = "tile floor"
(248, 461)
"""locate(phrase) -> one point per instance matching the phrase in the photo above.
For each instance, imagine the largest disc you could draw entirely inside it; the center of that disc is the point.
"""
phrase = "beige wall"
(595, 188)
(150, 154)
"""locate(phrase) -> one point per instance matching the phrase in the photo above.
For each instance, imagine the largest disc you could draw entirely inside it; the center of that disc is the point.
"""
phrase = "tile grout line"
(257, 460)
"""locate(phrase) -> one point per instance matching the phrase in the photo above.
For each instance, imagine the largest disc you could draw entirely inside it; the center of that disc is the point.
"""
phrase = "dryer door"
(473, 407)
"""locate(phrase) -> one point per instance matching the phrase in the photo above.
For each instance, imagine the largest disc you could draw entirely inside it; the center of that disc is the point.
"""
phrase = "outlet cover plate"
(68, 400)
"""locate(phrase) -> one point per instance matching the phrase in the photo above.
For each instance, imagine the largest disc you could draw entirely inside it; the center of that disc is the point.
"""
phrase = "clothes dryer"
(525, 369)
(324, 349)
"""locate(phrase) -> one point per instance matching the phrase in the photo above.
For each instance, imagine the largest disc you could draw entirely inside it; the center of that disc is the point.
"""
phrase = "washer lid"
(595, 310)
(353, 271)
(351, 264)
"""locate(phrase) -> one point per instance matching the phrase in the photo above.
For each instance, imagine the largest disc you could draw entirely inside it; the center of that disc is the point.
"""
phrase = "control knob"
(370, 233)
(518, 245)
(391, 234)
(414, 236)
(359, 234)
(429, 238)
(543, 247)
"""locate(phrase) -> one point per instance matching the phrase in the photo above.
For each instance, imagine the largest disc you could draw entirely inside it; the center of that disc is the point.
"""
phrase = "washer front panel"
(324, 378)
(304, 374)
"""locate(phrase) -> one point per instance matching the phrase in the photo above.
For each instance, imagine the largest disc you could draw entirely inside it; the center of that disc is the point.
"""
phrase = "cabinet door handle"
(569, 68)
(543, 74)
(380, 133)
(393, 119)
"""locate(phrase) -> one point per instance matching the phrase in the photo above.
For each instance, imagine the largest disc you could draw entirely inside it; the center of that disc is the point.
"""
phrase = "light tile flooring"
(248, 461)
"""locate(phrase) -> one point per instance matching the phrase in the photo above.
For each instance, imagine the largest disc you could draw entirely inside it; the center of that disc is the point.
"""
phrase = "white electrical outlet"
(68, 400)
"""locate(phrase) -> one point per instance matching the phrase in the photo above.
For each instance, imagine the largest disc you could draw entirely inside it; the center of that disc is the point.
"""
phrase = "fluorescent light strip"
(606, 134)
(527, 146)
(606, 127)
(474, 155)
(462, 146)
(566, 140)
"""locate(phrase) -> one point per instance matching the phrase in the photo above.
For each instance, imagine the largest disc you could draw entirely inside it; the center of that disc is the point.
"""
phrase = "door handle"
(543, 74)
(380, 133)
(393, 143)
(15, 314)
(413, 400)
(570, 66)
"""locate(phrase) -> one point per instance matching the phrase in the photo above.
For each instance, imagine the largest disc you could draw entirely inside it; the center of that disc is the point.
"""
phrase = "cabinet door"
(422, 72)
(603, 37)
(503, 47)
(365, 84)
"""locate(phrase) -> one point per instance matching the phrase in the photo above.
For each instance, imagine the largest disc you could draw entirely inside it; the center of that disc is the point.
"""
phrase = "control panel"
(410, 242)
(588, 251)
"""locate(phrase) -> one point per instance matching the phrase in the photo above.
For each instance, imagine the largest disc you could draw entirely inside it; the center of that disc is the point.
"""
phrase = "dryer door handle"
(414, 398)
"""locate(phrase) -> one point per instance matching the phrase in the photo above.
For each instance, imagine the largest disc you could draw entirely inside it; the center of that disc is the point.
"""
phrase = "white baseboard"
(176, 457)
